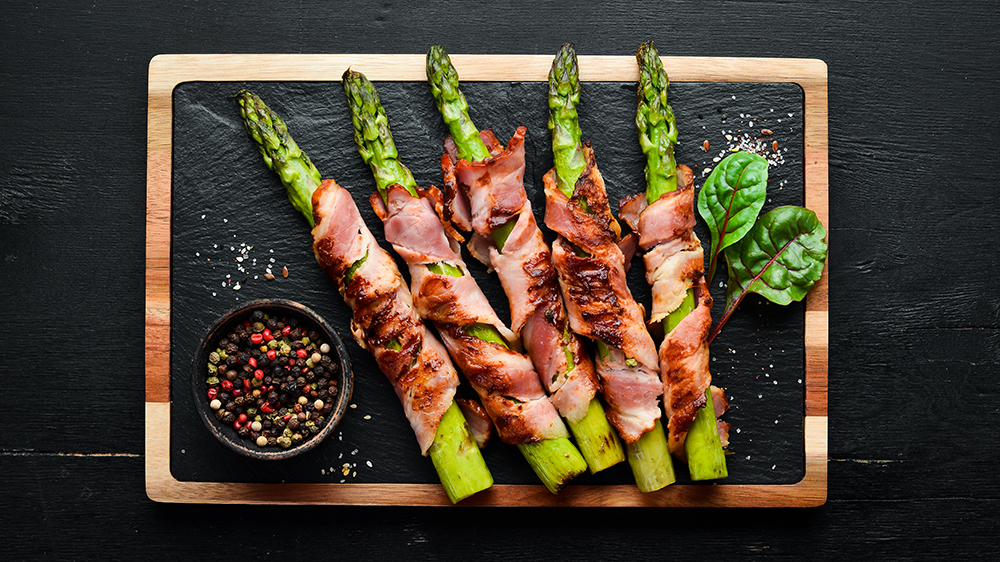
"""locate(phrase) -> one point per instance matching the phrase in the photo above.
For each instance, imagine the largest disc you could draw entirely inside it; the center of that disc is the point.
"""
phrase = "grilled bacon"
(675, 263)
(505, 380)
(591, 271)
(491, 194)
(385, 321)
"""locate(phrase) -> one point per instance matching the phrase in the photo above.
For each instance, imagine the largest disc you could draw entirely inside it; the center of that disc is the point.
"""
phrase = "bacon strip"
(385, 321)
(598, 300)
(493, 190)
(505, 380)
(675, 263)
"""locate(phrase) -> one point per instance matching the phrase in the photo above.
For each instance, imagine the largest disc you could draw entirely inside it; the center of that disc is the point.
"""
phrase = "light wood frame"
(167, 71)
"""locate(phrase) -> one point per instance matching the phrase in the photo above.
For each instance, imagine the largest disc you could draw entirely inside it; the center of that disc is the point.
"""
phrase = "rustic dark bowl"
(307, 317)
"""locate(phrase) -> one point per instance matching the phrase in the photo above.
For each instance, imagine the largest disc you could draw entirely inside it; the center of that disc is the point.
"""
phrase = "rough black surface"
(914, 345)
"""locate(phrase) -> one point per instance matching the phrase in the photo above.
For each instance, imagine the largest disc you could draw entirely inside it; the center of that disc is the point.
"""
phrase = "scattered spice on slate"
(272, 380)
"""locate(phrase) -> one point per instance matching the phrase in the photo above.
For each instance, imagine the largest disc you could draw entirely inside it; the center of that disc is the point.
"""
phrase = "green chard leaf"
(731, 199)
(781, 258)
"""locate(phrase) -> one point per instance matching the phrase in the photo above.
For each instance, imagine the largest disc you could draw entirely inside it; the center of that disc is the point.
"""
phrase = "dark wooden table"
(914, 305)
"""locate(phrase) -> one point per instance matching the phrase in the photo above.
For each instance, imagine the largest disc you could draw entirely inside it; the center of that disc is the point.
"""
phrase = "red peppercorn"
(242, 418)
(301, 353)
(258, 374)
(286, 330)
(227, 385)
(246, 324)
(237, 392)
(266, 408)
(246, 384)
(291, 362)
(256, 339)
(253, 362)
(287, 417)
(212, 393)
(271, 354)
(268, 336)
(237, 425)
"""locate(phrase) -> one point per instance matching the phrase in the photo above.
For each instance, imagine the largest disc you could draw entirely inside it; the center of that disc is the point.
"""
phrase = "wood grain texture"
(914, 315)
(167, 71)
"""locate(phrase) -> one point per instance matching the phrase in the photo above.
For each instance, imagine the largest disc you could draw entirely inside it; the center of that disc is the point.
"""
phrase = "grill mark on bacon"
(505, 380)
(495, 191)
(598, 301)
(420, 371)
(674, 261)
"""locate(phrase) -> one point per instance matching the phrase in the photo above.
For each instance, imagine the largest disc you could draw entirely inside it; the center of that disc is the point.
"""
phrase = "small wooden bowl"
(308, 319)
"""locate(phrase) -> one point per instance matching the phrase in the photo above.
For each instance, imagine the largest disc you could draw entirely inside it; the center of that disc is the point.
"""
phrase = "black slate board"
(227, 204)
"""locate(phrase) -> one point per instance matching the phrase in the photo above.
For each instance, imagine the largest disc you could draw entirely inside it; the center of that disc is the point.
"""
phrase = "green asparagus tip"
(280, 153)
(372, 135)
(443, 81)
(564, 97)
(655, 123)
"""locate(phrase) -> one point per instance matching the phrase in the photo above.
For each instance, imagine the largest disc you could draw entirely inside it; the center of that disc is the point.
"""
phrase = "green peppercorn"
(214, 358)
(284, 442)
(258, 327)
(212, 381)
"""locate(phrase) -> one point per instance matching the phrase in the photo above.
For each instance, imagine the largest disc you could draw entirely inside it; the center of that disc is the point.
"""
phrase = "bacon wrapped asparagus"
(384, 319)
(484, 191)
(447, 295)
(591, 268)
(664, 219)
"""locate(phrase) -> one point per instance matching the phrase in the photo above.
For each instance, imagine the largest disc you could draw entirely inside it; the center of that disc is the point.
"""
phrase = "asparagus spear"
(454, 453)
(555, 461)
(657, 136)
(564, 121)
(593, 433)
(648, 457)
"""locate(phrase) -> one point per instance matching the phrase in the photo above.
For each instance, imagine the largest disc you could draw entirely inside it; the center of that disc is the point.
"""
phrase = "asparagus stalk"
(564, 121)
(657, 136)
(555, 461)
(649, 457)
(454, 453)
(443, 80)
(594, 435)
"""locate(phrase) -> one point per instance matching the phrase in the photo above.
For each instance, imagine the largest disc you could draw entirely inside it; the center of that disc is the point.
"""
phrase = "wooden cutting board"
(207, 192)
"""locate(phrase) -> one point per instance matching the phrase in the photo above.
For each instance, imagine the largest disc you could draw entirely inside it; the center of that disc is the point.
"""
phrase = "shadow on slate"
(228, 205)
